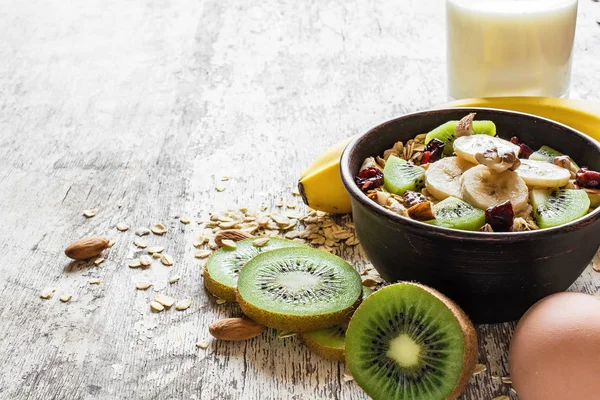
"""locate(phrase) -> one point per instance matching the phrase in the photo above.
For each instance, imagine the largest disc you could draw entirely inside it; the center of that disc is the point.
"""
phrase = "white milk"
(509, 47)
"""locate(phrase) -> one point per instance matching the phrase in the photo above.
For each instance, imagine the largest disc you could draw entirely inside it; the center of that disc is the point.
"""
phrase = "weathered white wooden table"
(138, 108)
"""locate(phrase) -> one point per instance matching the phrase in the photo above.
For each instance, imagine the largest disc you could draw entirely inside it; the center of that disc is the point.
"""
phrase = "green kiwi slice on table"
(407, 342)
(298, 289)
(446, 132)
(457, 214)
(400, 175)
(329, 342)
(222, 268)
(559, 206)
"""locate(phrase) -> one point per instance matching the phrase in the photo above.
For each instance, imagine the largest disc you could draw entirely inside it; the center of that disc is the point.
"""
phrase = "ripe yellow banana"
(321, 185)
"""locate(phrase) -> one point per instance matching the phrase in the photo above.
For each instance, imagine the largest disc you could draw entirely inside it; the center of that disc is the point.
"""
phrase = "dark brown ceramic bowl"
(494, 277)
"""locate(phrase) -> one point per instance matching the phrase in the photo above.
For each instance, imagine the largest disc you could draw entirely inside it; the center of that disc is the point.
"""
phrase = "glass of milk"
(509, 47)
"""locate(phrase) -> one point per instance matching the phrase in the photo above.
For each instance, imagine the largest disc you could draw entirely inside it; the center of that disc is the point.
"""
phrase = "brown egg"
(555, 350)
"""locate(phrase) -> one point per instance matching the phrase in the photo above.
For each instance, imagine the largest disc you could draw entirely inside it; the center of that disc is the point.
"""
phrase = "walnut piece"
(498, 162)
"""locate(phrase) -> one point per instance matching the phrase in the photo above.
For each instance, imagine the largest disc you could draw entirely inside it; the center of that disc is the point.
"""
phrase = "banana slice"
(483, 188)
(467, 146)
(442, 178)
(542, 174)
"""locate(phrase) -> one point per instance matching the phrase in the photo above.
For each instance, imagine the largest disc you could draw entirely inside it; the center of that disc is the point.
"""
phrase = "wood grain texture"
(138, 108)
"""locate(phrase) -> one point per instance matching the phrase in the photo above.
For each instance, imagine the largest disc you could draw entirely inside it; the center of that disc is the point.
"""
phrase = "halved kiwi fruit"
(329, 342)
(445, 133)
(558, 207)
(298, 289)
(457, 214)
(408, 341)
(222, 268)
(400, 175)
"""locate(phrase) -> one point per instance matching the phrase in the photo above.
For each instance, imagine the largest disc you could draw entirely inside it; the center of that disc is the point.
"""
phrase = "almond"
(231, 234)
(86, 248)
(235, 329)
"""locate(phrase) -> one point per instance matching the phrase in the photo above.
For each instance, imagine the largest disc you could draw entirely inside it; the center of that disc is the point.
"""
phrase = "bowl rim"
(373, 207)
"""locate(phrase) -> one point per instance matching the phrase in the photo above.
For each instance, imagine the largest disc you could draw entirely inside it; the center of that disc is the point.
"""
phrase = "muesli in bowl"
(461, 175)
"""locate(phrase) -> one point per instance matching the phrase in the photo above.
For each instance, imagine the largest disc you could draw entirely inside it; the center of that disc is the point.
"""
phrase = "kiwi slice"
(457, 214)
(298, 289)
(329, 342)
(547, 153)
(445, 133)
(400, 175)
(222, 268)
(559, 206)
(407, 341)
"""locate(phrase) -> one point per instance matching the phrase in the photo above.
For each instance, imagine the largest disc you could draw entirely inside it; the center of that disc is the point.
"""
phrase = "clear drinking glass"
(509, 47)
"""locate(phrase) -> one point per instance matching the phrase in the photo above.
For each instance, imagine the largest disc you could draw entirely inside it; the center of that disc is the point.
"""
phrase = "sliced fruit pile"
(472, 180)
(405, 341)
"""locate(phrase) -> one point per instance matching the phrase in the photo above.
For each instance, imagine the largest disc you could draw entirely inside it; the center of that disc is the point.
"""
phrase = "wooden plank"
(138, 109)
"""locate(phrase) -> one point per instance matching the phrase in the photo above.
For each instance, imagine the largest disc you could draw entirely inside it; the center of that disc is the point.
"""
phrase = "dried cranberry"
(500, 217)
(369, 178)
(588, 179)
(525, 151)
(514, 140)
(435, 148)
(410, 198)
(426, 157)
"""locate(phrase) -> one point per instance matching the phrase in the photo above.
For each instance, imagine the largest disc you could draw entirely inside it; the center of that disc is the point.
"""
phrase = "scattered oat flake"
(174, 278)
(145, 260)
(135, 263)
(279, 204)
(347, 377)
(155, 249)
(230, 244)
(285, 334)
(140, 243)
(111, 243)
(596, 262)
(479, 368)
(495, 376)
(65, 297)
(202, 253)
(166, 260)
(203, 344)
(263, 208)
(156, 306)
(164, 300)
(99, 260)
(295, 192)
(47, 293)
(122, 227)
(184, 220)
(260, 242)
(506, 379)
(221, 301)
(220, 188)
(142, 285)
(225, 178)
(156, 255)
(90, 213)
(142, 232)
(94, 281)
(183, 304)
(159, 229)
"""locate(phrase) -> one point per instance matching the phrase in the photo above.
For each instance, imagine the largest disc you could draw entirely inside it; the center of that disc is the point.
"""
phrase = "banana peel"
(321, 185)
